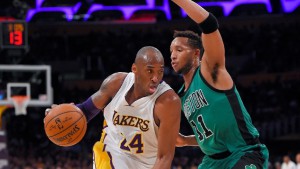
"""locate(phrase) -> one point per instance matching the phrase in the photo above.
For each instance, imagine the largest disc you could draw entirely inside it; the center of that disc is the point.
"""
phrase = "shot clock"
(13, 35)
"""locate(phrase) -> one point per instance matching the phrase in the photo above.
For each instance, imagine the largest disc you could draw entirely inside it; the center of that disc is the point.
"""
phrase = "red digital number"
(16, 38)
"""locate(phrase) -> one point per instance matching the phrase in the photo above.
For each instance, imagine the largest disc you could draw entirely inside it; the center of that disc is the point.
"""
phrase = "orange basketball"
(65, 125)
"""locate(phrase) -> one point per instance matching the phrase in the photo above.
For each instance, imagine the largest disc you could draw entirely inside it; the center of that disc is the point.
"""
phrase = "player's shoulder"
(117, 77)
(169, 97)
(168, 103)
(114, 81)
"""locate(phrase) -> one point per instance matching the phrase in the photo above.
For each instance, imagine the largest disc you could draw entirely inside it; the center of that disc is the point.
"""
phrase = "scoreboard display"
(14, 35)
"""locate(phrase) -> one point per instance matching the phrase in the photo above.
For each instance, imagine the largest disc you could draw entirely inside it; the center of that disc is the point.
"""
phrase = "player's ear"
(197, 52)
(133, 68)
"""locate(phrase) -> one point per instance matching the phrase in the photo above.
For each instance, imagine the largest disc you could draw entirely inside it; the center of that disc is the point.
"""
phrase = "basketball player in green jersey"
(210, 101)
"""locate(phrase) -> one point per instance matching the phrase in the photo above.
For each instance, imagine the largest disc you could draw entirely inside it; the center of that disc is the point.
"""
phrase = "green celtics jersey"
(219, 118)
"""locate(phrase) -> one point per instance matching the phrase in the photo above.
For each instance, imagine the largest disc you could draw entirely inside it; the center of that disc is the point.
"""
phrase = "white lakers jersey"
(131, 136)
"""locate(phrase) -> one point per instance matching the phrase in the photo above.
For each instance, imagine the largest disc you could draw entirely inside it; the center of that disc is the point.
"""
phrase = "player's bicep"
(169, 116)
(108, 89)
(214, 50)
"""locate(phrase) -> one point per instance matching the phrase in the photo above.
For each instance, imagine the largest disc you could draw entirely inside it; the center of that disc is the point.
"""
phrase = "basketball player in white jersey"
(142, 116)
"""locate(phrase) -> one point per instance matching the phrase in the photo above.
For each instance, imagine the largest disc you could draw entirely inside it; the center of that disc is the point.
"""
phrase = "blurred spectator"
(288, 163)
(298, 160)
(277, 165)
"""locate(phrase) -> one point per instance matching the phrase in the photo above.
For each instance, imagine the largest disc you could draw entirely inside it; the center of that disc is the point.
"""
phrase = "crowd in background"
(262, 57)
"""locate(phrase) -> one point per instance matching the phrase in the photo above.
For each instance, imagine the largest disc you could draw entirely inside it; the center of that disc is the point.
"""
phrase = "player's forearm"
(186, 140)
(88, 108)
(191, 140)
(193, 10)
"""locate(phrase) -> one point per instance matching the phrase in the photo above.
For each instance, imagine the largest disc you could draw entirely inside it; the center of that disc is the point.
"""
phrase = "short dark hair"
(194, 39)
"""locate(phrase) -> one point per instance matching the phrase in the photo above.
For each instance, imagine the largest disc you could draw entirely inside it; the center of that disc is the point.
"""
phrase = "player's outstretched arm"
(110, 86)
(167, 112)
(94, 104)
(214, 51)
(183, 140)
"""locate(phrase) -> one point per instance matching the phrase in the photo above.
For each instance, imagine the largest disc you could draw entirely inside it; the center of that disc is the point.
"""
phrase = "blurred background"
(84, 41)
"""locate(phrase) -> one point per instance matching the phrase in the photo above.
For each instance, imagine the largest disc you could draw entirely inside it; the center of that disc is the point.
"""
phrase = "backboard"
(33, 81)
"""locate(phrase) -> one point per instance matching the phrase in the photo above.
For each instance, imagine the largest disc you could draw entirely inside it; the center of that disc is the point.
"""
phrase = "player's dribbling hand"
(52, 106)
(49, 109)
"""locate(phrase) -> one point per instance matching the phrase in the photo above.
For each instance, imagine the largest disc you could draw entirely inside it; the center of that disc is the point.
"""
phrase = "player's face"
(148, 75)
(181, 55)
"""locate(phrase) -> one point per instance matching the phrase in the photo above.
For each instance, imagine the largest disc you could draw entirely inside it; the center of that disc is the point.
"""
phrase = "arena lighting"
(39, 3)
(69, 11)
(289, 5)
(129, 10)
(230, 5)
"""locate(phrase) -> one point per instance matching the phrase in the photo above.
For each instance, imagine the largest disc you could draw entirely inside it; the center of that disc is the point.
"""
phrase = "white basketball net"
(20, 104)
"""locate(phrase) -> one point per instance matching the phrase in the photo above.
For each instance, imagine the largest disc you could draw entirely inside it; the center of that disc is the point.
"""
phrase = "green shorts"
(254, 158)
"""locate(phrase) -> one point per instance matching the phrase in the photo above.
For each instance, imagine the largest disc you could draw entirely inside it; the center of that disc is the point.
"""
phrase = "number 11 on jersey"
(207, 132)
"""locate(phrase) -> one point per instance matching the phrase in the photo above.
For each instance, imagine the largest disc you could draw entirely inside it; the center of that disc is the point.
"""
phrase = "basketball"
(65, 125)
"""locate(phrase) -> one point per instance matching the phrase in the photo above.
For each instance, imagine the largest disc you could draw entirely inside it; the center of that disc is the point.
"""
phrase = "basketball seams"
(70, 111)
(79, 135)
(68, 126)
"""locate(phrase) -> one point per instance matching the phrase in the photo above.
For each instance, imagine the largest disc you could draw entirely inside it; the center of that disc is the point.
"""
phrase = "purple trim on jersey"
(104, 136)
(88, 108)
(104, 147)
(111, 163)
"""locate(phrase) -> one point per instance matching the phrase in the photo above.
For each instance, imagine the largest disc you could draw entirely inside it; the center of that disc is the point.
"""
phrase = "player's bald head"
(149, 54)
